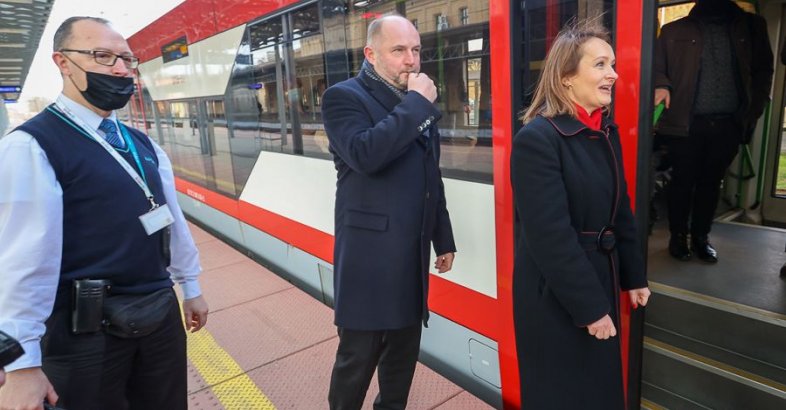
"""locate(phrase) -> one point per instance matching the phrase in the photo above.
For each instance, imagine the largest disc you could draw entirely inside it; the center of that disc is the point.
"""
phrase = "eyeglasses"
(106, 58)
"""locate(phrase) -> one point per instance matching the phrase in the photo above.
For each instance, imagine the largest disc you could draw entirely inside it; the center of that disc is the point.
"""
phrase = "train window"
(273, 101)
(274, 98)
(266, 33)
(194, 134)
(150, 118)
(305, 21)
(457, 57)
(186, 143)
(138, 113)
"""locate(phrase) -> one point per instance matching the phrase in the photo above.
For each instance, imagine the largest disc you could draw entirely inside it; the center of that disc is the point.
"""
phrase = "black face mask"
(107, 92)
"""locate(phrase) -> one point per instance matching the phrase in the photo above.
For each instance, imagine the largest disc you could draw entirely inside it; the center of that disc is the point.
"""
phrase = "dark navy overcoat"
(567, 182)
(390, 203)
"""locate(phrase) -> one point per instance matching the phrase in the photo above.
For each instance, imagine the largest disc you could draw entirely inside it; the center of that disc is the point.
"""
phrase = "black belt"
(603, 241)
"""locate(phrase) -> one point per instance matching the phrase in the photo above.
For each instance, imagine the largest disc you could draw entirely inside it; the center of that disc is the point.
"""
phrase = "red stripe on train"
(455, 302)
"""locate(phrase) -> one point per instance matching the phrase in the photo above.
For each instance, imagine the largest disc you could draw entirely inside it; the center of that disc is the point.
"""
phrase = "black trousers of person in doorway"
(394, 353)
(98, 371)
(699, 163)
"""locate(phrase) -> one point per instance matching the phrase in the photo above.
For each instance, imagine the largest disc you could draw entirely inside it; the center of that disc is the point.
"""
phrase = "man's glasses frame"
(106, 58)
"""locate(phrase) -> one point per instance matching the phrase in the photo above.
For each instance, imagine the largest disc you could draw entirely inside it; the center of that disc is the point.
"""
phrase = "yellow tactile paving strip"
(231, 386)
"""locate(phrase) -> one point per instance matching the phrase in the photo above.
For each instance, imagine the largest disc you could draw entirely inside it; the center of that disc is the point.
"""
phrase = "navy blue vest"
(102, 235)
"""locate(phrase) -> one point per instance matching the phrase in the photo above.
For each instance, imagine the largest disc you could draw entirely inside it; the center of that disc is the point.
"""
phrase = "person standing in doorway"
(713, 72)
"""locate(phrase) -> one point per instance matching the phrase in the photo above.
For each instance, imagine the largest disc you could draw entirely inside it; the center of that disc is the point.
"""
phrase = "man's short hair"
(63, 33)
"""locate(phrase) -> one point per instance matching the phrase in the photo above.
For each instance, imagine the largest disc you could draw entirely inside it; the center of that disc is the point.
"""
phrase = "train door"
(771, 189)
(721, 324)
(534, 27)
(750, 191)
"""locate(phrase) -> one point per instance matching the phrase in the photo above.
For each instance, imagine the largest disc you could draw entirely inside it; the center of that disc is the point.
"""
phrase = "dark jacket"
(390, 203)
(678, 62)
(567, 180)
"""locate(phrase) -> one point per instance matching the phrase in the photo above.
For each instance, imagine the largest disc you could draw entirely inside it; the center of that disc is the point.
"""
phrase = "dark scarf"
(368, 68)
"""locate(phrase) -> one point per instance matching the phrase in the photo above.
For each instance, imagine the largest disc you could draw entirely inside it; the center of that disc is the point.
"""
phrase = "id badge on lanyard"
(157, 219)
(159, 216)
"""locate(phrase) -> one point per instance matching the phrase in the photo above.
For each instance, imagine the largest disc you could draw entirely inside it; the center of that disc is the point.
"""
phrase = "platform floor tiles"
(269, 345)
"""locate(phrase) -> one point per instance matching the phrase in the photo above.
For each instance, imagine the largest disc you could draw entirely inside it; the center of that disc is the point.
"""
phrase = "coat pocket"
(365, 220)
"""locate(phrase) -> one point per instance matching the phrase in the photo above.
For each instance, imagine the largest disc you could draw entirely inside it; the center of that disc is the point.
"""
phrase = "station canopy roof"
(22, 23)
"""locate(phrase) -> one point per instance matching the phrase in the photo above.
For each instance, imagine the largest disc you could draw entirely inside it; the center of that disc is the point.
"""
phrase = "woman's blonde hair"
(551, 95)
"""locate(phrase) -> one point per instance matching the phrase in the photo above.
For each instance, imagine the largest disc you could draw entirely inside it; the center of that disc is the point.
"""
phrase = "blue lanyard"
(126, 137)
(132, 147)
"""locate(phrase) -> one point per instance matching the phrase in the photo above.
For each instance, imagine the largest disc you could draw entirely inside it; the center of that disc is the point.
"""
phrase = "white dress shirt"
(31, 236)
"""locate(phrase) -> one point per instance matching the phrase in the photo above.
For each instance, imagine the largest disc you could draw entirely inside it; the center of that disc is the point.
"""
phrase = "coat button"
(428, 194)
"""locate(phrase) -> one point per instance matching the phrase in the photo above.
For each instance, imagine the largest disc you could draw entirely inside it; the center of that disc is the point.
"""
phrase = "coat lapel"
(379, 91)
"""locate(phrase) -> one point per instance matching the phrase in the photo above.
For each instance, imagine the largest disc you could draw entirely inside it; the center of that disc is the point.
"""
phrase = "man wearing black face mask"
(92, 239)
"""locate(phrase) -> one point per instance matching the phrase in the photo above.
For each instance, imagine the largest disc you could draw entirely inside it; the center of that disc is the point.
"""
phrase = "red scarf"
(590, 120)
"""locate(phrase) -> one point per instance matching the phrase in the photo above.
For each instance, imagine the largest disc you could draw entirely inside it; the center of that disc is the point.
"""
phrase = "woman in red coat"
(577, 246)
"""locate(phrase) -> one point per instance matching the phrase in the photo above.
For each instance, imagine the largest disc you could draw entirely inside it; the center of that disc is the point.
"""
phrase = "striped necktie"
(110, 133)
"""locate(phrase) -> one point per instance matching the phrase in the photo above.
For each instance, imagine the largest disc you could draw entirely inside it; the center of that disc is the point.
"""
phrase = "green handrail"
(746, 164)
(658, 111)
(765, 134)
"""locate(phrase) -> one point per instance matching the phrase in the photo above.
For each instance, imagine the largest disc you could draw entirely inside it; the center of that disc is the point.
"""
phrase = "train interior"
(714, 334)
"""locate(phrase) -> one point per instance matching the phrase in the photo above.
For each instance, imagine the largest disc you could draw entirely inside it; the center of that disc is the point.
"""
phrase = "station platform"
(269, 345)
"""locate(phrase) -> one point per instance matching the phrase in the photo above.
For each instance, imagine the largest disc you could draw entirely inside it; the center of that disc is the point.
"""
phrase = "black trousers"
(699, 163)
(99, 371)
(394, 353)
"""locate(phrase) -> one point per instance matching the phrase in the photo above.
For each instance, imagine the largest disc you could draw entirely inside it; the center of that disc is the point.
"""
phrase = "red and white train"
(231, 90)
